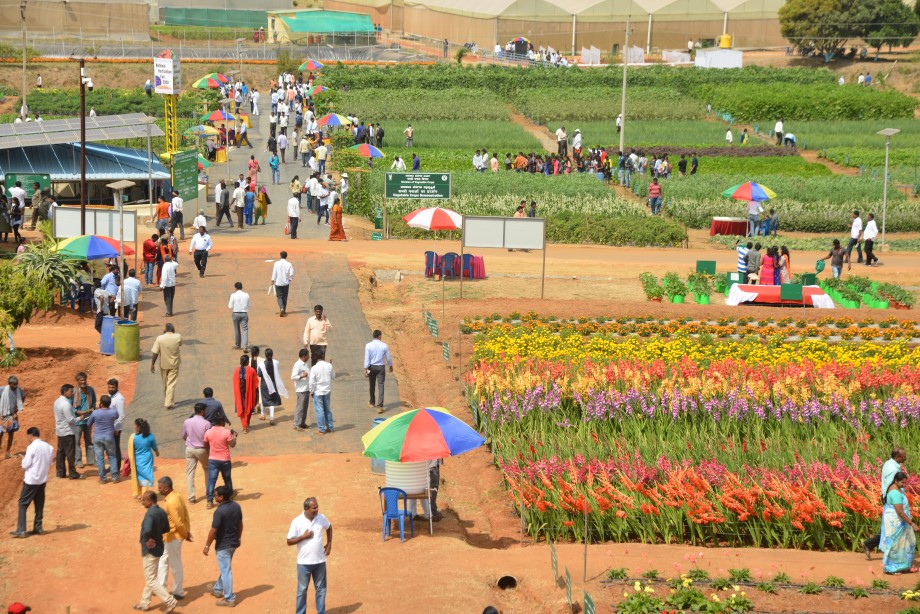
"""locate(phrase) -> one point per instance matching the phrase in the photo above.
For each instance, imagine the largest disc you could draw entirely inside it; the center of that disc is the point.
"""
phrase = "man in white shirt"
(200, 246)
(321, 153)
(314, 190)
(282, 275)
(217, 190)
(376, 359)
(323, 193)
(239, 313)
(300, 375)
(64, 422)
(870, 232)
(244, 136)
(177, 204)
(131, 287)
(36, 463)
(477, 161)
(200, 220)
(118, 404)
(168, 282)
(778, 132)
(321, 376)
(576, 141)
(254, 101)
(282, 145)
(239, 198)
(400, 165)
(293, 212)
(306, 533)
(856, 232)
(562, 141)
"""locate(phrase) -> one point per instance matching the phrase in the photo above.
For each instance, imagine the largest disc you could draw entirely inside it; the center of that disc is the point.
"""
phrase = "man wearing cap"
(176, 220)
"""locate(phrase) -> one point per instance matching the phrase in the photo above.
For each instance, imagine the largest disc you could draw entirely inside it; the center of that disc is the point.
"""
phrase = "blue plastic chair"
(447, 264)
(431, 260)
(389, 506)
(467, 266)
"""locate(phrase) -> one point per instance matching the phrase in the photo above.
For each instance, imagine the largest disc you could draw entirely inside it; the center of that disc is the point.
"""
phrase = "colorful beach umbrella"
(218, 116)
(749, 191)
(368, 151)
(201, 130)
(319, 89)
(333, 119)
(521, 39)
(203, 162)
(420, 435)
(211, 81)
(310, 65)
(434, 218)
(90, 247)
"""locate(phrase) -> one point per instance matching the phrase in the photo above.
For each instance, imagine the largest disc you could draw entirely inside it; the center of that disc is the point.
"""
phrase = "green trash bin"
(378, 219)
(127, 341)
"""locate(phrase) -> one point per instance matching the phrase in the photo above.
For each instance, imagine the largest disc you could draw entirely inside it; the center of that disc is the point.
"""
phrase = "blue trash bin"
(107, 336)
(378, 465)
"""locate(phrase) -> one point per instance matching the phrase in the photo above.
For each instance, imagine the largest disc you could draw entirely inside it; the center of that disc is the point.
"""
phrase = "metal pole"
(82, 148)
(648, 35)
(121, 248)
(724, 23)
(573, 33)
(149, 175)
(623, 94)
(22, 21)
(885, 187)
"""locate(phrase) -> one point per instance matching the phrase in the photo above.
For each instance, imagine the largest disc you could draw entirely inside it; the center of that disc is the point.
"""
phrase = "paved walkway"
(203, 320)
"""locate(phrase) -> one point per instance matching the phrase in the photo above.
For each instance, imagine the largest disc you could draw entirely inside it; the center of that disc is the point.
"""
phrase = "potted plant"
(701, 286)
(898, 297)
(674, 288)
(653, 290)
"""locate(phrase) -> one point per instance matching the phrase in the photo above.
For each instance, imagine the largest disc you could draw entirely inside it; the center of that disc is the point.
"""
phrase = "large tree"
(826, 25)
(895, 24)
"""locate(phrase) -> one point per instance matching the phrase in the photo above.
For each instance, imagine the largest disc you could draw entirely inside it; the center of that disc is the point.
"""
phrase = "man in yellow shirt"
(180, 529)
(166, 349)
(314, 335)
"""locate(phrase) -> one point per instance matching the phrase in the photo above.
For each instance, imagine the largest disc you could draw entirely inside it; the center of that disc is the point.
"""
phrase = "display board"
(504, 232)
(65, 223)
(185, 173)
(44, 182)
(418, 185)
(167, 74)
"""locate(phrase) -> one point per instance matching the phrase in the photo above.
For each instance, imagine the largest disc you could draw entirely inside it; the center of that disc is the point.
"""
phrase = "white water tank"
(410, 477)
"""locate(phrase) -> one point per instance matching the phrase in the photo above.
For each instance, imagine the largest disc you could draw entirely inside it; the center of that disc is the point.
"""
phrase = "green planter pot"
(848, 304)
(874, 286)
(677, 299)
(880, 305)
(702, 299)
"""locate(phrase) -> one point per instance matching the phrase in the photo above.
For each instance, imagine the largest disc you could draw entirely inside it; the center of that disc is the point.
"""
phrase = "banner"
(167, 76)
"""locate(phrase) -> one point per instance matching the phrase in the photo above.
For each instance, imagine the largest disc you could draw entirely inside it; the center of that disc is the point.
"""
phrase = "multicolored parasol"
(368, 151)
(201, 130)
(333, 119)
(218, 116)
(420, 435)
(211, 81)
(434, 218)
(91, 247)
(310, 65)
(319, 89)
(749, 191)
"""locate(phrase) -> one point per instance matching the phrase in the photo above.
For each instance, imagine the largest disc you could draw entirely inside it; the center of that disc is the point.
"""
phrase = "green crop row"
(110, 101)
(819, 244)
(601, 103)
(449, 145)
(416, 104)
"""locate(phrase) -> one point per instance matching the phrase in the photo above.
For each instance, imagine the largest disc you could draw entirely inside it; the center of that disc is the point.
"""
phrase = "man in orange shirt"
(520, 162)
(163, 214)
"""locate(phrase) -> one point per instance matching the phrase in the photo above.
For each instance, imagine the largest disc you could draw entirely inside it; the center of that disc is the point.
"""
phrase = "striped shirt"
(742, 258)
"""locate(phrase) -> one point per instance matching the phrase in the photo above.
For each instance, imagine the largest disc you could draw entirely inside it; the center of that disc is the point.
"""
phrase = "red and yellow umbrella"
(420, 435)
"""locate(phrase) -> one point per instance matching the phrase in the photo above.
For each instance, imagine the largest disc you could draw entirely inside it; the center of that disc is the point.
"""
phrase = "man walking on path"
(168, 282)
(869, 234)
(227, 531)
(35, 463)
(154, 526)
(306, 533)
(64, 422)
(102, 421)
(118, 404)
(214, 409)
(376, 359)
(167, 345)
(856, 236)
(282, 275)
(314, 335)
(239, 312)
(892, 466)
(321, 376)
(176, 220)
(300, 375)
(200, 246)
(196, 452)
(282, 146)
(293, 212)
(180, 529)
(223, 207)
(219, 440)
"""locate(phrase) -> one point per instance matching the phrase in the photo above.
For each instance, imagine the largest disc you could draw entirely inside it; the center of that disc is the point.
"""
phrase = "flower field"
(681, 437)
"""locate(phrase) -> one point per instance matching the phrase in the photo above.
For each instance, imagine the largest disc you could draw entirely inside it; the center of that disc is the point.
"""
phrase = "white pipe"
(573, 34)
(725, 23)
(648, 38)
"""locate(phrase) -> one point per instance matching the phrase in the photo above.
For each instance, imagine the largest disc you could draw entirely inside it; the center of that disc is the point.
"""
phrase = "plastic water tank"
(127, 341)
(107, 336)
(411, 477)
(725, 41)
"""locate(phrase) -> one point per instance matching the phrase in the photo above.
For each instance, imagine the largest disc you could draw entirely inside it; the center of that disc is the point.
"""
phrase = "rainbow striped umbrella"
(310, 65)
(420, 435)
(319, 89)
(211, 81)
(90, 247)
(218, 116)
(749, 191)
(368, 151)
(333, 119)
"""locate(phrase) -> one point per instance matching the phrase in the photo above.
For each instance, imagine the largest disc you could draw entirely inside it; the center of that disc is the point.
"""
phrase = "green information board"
(185, 173)
(417, 185)
(44, 182)
(590, 608)
(433, 328)
(445, 350)
(376, 236)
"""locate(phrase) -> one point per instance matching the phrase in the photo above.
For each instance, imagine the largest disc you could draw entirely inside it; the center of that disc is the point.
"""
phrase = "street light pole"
(82, 147)
(22, 23)
(887, 133)
(623, 94)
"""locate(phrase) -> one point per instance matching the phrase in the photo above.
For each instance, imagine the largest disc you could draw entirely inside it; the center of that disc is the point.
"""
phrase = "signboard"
(590, 608)
(44, 183)
(433, 327)
(65, 223)
(568, 586)
(417, 185)
(167, 76)
(185, 173)
(555, 560)
(376, 236)
(503, 232)
(445, 350)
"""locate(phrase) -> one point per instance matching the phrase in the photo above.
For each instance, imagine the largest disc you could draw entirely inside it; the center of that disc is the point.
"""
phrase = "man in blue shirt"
(214, 410)
(416, 162)
(109, 283)
(376, 359)
(103, 421)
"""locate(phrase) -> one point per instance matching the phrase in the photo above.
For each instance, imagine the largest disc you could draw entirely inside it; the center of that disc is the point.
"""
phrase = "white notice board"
(504, 232)
(65, 223)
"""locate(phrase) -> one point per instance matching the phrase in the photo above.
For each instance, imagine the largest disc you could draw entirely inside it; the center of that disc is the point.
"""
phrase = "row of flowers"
(543, 343)
(814, 505)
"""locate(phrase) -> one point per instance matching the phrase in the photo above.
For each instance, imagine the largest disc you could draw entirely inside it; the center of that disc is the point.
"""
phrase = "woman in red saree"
(337, 230)
(245, 391)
